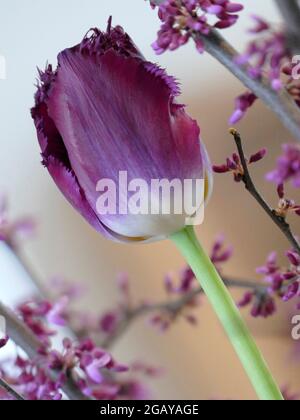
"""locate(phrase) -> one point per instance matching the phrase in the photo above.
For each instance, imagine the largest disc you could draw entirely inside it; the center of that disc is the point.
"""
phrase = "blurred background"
(198, 361)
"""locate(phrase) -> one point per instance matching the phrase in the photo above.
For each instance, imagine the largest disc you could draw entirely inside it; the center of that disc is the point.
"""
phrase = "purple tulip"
(104, 110)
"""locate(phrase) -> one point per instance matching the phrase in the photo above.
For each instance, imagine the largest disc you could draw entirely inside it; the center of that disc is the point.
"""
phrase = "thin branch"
(10, 391)
(290, 12)
(281, 103)
(25, 339)
(173, 307)
(250, 186)
(40, 288)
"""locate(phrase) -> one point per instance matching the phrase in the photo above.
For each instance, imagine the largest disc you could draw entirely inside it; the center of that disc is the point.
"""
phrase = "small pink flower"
(288, 166)
(95, 364)
(56, 314)
(242, 104)
(233, 164)
(182, 21)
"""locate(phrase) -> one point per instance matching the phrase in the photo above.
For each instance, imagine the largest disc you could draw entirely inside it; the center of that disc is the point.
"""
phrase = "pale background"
(199, 362)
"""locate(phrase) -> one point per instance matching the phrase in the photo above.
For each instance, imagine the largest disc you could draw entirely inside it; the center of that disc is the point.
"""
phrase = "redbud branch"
(41, 290)
(10, 391)
(172, 307)
(251, 188)
(290, 11)
(25, 339)
(281, 103)
(27, 268)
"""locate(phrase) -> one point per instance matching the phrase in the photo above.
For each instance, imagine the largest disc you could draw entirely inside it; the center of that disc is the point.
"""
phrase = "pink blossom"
(288, 166)
(268, 54)
(242, 104)
(56, 313)
(182, 22)
(233, 164)
(220, 254)
(14, 231)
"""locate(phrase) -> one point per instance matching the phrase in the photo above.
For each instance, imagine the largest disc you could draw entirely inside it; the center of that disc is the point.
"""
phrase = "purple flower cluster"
(263, 304)
(288, 166)
(185, 19)
(262, 299)
(184, 292)
(34, 315)
(110, 320)
(84, 362)
(185, 299)
(278, 282)
(233, 164)
(16, 231)
(291, 278)
(242, 103)
(220, 253)
(286, 169)
(92, 369)
(269, 55)
(105, 325)
(285, 205)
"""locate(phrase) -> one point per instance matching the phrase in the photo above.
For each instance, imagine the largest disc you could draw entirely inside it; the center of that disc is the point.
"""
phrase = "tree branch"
(14, 249)
(172, 307)
(10, 391)
(25, 339)
(281, 103)
(249, 185)
(290, 12)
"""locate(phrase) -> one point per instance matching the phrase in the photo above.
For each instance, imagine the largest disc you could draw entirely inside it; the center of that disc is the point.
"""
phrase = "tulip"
(106, 110)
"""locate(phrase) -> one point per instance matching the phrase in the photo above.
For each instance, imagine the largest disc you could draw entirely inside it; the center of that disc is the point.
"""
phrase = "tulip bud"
(107, 115)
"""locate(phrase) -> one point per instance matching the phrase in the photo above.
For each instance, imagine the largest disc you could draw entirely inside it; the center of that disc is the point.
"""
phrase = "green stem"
(229, 315)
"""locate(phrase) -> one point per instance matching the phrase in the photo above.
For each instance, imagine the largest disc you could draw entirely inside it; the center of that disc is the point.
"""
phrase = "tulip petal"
(106, 110)
(118, 113)
(67, 183)
(56, 160)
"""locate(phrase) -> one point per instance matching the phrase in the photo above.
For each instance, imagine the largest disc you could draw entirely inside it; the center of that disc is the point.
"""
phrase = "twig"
(290, 12)
(172, 307)
(24, 338)
(250, 186)
(281, 103)
(10, 391)
(14, 249)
